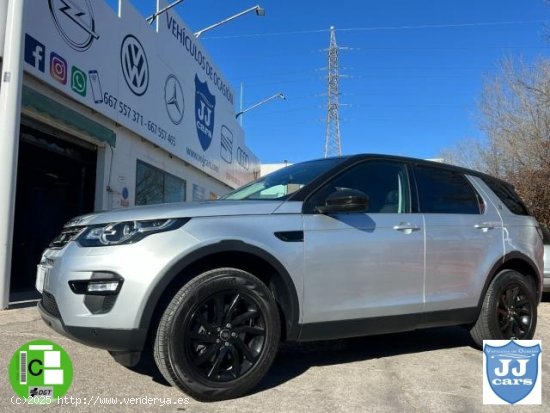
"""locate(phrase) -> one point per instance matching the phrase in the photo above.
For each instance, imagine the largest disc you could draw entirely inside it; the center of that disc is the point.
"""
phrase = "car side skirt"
(330, 330)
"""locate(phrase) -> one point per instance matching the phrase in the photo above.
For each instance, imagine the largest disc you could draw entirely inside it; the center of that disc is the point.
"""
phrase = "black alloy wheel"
(219, 335)
(225, 335)
(514, 311)
(509, 309)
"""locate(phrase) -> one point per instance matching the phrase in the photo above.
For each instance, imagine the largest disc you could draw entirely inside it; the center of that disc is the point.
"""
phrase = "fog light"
(100, 284)
(103, 287)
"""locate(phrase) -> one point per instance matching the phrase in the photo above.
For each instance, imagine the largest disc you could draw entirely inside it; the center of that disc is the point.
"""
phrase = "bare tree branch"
(514, 114)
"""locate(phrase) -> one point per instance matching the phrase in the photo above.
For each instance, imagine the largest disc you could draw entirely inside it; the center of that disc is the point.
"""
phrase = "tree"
(514, 114)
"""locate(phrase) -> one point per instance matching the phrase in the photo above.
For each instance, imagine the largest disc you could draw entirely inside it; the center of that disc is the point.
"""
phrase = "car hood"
(178, 210)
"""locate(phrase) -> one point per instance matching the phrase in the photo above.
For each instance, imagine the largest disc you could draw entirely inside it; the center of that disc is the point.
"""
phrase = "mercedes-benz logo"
(173, 99)
(134, 65)
(75, 22)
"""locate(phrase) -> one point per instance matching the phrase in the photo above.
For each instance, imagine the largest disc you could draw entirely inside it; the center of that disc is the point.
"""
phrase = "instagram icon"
(58, 68)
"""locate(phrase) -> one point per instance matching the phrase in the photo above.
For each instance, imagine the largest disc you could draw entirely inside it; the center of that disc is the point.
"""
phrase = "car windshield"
(283, 182)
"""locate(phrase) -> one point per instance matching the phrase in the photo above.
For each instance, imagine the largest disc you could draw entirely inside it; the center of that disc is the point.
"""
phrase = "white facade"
(267, 168)
(130, 95)
(160, 84)
(117, 165)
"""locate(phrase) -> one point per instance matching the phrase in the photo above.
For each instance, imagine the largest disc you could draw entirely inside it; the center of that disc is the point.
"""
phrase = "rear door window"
(443, 191)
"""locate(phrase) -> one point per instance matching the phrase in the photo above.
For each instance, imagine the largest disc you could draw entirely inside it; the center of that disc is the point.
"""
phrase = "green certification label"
(40, 370)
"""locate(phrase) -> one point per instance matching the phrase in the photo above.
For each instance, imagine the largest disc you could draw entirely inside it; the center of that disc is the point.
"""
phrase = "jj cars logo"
(173, 99)
(58, 68)
(75, 22)
(511, 372)
(134, 65)
(205, 103)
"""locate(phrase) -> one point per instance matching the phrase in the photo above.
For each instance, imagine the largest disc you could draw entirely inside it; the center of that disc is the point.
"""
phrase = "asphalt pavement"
(432, 370)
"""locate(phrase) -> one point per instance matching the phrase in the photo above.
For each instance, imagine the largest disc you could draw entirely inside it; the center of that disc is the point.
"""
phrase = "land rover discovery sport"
(331, 248)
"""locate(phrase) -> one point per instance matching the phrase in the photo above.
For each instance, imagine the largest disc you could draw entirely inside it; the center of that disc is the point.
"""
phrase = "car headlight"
(128, 232)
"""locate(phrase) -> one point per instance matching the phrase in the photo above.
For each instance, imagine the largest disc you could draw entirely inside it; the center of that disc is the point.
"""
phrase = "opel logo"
(134, 65)
(75, 22)
(173, 99)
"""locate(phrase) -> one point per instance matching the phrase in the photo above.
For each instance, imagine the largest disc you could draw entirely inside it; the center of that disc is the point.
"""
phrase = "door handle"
(406, 227)
(486, 226)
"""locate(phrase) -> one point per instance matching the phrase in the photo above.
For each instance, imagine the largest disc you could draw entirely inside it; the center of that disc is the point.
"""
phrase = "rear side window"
(507, 196)
(445, 192)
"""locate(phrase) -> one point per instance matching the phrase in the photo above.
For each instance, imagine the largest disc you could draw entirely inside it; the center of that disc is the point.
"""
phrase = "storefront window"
(154, 186)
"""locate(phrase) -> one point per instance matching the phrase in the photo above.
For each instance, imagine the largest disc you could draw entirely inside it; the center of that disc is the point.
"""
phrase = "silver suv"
(325, 249)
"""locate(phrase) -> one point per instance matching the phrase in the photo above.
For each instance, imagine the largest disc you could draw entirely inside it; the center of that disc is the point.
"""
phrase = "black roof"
(348, 159)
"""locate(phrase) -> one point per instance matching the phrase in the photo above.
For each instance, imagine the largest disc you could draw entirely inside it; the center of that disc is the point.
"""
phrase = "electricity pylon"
(333, 144)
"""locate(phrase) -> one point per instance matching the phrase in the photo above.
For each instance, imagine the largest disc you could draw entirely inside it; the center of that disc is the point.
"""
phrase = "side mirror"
(345, 200)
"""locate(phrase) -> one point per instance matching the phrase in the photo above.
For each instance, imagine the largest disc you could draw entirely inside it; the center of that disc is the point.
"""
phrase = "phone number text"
(126, 111)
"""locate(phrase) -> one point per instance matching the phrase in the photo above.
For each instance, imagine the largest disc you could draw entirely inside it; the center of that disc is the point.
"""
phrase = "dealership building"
(100, 110)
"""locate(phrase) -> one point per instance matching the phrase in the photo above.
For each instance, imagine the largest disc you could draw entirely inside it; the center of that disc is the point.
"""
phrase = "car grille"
(68, 234)
(50, 305)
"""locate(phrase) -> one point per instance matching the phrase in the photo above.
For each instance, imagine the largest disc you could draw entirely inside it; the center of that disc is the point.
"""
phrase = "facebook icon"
(35, 53)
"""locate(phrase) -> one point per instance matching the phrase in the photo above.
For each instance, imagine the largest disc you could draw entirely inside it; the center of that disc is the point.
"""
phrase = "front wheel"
(509, 310)
(219, 335)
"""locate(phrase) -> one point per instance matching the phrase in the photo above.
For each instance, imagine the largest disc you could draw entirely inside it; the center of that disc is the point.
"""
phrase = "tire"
(219, 335)
(509, 310)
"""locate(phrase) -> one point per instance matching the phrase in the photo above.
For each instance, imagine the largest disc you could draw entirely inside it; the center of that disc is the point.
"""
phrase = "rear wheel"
(219, 335)
(509, 310)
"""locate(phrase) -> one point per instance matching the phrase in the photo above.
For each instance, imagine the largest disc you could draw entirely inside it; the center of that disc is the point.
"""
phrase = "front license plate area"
(42, 277)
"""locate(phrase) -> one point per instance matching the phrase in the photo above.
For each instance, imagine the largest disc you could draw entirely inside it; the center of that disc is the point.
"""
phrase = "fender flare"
(514, 255)
(291, 310)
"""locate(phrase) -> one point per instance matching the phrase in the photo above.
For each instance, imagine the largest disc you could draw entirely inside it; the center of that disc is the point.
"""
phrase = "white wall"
(267, 168)
(175, 65)
(3, 13)
(120, 171)
(131, 147)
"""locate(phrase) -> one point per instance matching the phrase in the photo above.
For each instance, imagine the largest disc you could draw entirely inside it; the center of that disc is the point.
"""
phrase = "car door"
(463, 238)
(364, 264)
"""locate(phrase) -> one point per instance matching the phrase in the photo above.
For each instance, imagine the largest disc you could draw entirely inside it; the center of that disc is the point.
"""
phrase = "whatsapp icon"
(78, 81)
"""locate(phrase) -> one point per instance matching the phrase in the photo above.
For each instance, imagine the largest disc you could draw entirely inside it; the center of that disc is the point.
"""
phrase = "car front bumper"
(108, 339)
(116, 324)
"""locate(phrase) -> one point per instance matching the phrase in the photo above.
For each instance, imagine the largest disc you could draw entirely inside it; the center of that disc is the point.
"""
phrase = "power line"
(441, 26)
(378, 28)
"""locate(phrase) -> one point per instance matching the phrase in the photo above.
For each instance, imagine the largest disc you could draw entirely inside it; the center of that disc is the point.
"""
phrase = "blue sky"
(416, 68)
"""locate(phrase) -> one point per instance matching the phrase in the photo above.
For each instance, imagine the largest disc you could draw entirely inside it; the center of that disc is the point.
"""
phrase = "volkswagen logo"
(75, 22)
(134, 65)
(173, 99)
